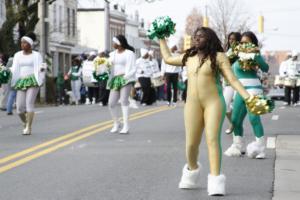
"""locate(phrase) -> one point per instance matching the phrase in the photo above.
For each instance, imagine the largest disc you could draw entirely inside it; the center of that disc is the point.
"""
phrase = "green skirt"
(25, 83)
(117, 82)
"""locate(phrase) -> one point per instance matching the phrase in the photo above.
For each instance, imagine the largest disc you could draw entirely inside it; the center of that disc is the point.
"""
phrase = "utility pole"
(43, 42)
(107, 26)
(260, 24)
(205, 19)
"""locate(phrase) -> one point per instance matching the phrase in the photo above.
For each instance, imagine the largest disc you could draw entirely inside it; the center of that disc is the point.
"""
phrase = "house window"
(54, 18)
(74, 22)
(60, 18)
(2, 9)
(68, 21)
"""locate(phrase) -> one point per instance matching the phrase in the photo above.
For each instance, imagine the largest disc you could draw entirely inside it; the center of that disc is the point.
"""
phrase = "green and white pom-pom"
(161, 28)
(5, 75)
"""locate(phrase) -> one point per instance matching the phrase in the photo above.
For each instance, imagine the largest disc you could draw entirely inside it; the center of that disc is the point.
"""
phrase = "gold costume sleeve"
(166, 54)
(226, 70)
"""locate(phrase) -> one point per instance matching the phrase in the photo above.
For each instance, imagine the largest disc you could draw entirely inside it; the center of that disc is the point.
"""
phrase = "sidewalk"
(287, 168)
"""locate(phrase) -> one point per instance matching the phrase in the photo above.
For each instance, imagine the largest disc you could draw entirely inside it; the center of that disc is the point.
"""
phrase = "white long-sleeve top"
(26, 64)
(155, 68)
(289, 68)
(18, 73)
(123, 64)
(166, 68)
(282, 68)
(143, 68)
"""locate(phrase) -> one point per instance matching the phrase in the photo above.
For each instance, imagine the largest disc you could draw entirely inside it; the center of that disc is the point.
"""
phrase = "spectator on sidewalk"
(4, 89)
(171, 74)
(12, 93)
(290, 70)
(60, 86)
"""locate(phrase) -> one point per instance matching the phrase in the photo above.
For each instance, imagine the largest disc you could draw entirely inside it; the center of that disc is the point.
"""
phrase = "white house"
(62, 33)
(91, 25)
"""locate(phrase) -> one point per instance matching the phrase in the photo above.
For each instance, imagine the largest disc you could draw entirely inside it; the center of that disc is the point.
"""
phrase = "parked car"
(276, 94)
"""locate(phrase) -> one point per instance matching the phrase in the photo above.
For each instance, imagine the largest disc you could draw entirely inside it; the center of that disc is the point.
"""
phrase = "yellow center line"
(64, 137)
(70, 141)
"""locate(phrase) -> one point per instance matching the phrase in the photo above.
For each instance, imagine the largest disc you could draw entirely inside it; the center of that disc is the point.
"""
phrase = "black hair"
(31, 35)
(124, 42)
(213, 45)
(237, 36)
(4, 58)
(76, 61)
(252, 37)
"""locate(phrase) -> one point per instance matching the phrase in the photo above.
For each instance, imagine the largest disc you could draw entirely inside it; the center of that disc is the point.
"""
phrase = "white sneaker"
(229, 130)
(256, 149)
(87, 102)
(262, 155)
(94, 101)
(285, 104)
(190, 178)
(237, 148)
(216, 185)
(133, 104)
(174, 104)
(115, 127)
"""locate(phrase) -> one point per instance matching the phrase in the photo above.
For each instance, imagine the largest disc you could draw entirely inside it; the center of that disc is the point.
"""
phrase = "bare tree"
(227, 16)
(193, 21)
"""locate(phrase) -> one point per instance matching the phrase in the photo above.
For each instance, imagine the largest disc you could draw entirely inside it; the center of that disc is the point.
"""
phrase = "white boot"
(237, 148)
(114, 114)
(190, 178)
(115, 127)
(125, 111)
(94, 100)
(216, 185)
(256, 149)
(29, 119)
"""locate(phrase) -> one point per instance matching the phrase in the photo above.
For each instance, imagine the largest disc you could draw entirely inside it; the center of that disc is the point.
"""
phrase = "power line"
(282, 10)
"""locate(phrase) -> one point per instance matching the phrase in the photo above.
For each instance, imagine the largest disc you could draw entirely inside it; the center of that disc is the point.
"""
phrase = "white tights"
(26, 99)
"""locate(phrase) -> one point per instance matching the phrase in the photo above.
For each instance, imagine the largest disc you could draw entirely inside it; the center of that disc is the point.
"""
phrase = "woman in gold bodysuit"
(205, 106)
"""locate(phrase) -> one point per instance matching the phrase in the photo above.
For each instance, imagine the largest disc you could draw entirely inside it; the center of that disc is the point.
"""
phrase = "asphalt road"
(93, 164)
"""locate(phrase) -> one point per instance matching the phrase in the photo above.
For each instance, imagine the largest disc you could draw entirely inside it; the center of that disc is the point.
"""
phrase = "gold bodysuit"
(205, 106)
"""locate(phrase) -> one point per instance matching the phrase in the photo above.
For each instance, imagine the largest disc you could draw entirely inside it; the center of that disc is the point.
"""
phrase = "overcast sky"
(282, 17)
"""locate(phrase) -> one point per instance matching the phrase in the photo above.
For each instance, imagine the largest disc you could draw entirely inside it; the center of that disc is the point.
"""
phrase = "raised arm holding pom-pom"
(205, 107)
